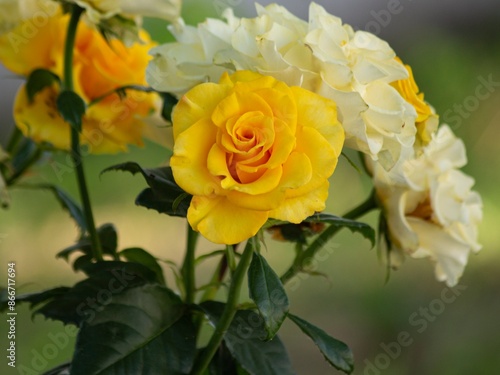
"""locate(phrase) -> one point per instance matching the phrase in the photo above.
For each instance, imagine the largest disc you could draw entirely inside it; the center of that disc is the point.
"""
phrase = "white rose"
(429, 206)
(16, 11)
(355, 69)
(98, 10)
(267, 44)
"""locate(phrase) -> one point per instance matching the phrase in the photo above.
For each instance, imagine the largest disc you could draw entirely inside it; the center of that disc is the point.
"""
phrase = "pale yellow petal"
(223, 222)
(296, 208)
(189, 162)
(197, 104)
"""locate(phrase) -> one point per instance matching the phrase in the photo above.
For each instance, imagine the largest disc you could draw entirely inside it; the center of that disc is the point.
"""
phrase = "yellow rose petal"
(324, 121)
(189, 162)
(297, 171)
(237, 104)
(269, 151)
(223, 222)
(195, 105)
(321, 154)
(296, 207)
(217, 165)
(259, 202)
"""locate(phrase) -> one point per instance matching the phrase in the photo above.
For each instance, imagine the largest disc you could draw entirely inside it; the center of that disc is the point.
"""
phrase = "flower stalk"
(229, 311)
(188, 267)
(302, 257)
(14, 140)
(76, 154)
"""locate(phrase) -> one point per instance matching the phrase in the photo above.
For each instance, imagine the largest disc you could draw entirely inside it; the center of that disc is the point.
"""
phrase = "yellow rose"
(427, 121)
(252, 148)
(99, 68)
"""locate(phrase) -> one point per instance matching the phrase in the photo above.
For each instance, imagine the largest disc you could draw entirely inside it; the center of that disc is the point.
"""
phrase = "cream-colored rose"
(429, 206)
(16, 11)
(355, 69)
(98, 10)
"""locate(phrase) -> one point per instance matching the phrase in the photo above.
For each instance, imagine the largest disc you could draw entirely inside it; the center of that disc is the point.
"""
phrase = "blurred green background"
(450, 57)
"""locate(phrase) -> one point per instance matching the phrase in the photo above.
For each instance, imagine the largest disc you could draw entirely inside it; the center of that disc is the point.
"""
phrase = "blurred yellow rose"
(99, 68)
(252, 148)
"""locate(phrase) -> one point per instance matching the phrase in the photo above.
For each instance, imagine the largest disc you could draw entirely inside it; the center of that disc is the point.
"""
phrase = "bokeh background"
(453, 47)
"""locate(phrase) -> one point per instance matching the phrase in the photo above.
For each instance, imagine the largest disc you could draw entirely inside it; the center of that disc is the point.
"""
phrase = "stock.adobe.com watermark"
(485, 88)
(419, 321)
(56, 342)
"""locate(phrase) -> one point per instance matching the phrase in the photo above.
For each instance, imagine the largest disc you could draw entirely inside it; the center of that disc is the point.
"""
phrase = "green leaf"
(24, 155)
(34, 299)
(141, 256)
(336, 352)
(355, 226)
(59, 370)
(38, 80)
(68, 204)
(244, 341)
(141, 332)
(169, 102)
(72, 108)
(351, 162)
(86, 298)
(82, 262)
(268, 293)
(223, 362)
(109, 243)
(109, 238)
(163, 194)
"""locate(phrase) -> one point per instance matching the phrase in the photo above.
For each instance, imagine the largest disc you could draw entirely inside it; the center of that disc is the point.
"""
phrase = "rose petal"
(197, 104)
(297, 207)
(449, 254)
(223, 222)
(189, 162)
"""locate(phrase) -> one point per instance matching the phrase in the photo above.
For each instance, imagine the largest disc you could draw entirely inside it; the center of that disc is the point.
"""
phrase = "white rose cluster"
(427, 202)
(353, 68)
(429, 206)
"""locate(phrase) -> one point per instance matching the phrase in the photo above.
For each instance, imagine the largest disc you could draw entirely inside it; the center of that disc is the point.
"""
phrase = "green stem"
(297, 266)
(365, 207)
(123, 89)
(76, 155)
(188, 269)
(14, 140)
(76, 12)
(229, 310)
(27, 164)
(231, 259)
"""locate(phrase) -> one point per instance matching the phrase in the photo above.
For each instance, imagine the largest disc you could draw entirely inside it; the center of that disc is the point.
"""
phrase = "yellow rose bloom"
(427, 121)
(252, 148)
(99, 68)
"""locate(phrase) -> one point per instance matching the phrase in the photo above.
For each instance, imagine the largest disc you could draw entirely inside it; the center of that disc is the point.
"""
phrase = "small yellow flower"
(252, 148)
(426, 121)
(99, 67)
